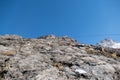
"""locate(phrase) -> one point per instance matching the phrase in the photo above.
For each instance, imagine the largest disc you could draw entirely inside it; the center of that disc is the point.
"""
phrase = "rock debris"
(56, 58)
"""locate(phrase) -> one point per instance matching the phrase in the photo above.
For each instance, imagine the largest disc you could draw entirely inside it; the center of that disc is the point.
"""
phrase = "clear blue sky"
(88, 21)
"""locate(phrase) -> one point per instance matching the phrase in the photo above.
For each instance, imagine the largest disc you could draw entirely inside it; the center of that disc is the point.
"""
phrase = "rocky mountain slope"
(56, 58)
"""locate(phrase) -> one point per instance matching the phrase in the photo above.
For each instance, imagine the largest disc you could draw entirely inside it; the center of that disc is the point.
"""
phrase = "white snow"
(80, 71)
(116, 45)
(109, 43)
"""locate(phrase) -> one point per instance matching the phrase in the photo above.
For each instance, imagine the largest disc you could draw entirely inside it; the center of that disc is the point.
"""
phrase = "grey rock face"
(55, 58)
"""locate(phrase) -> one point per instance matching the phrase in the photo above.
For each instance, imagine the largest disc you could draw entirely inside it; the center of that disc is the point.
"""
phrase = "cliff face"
(56, 58)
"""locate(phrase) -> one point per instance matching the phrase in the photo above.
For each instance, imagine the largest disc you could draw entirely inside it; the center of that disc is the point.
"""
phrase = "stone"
(56, 58)
(7, 51)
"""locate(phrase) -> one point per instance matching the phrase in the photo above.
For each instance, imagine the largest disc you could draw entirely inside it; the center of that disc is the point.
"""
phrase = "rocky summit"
(56, 58)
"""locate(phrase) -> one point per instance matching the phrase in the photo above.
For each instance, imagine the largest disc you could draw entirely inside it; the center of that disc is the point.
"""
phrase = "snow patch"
(109, 43)
(80, 71)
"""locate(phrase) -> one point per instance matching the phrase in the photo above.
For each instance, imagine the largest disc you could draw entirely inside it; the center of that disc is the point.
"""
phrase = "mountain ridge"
(56, 58)
(107, 42)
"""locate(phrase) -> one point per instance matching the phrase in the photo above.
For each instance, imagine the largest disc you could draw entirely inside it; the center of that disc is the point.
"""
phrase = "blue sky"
(88, 21)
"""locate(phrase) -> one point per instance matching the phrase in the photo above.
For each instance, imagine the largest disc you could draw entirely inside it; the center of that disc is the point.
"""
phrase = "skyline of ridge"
(103, 40)
(87, 21)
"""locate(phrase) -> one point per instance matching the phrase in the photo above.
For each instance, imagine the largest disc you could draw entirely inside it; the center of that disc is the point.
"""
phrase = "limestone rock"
(7, 51)
(56, 58)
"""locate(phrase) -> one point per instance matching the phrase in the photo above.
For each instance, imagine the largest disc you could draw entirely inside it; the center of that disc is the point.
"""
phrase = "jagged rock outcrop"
(56, 58)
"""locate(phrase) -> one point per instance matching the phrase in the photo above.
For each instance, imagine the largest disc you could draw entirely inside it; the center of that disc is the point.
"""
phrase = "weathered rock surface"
(56, 58)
